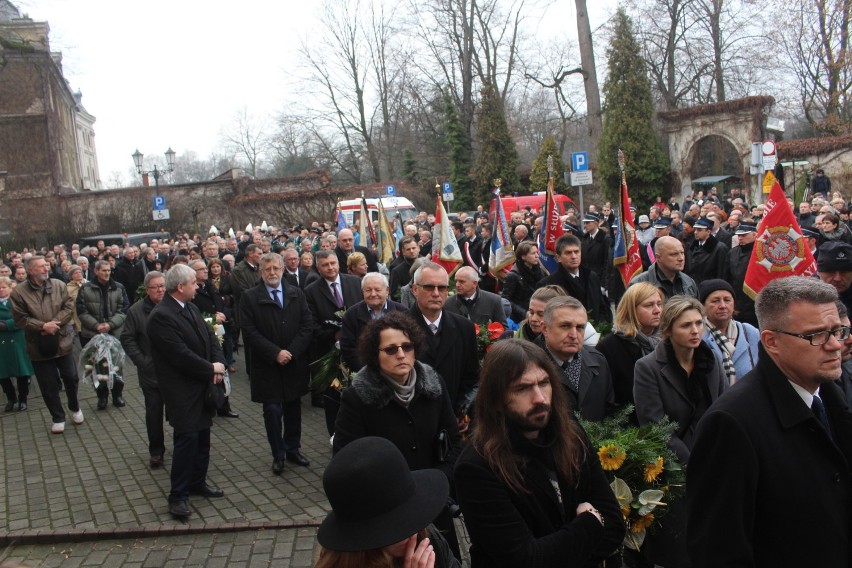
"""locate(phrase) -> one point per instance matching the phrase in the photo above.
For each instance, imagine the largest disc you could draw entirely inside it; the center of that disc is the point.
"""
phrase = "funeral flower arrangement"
(330, 370)
(644, 473)
(486, 335)
(217, 328)
(102, 360)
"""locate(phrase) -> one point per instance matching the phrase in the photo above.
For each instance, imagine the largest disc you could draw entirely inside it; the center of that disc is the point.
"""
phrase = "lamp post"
(156, 172)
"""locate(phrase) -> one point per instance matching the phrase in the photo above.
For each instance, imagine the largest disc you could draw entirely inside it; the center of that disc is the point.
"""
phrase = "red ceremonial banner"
(780, 249)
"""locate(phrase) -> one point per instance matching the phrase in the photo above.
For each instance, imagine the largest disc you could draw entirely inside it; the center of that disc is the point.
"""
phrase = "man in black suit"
(294, 274)
(585, 372)
(401, 273)
(374, 287)
(328, 298)
(277, 325)
(188, 360)
(780, 439)
(346, 246)
(471, 247)
(472, 303)
(577, 280)
(451, 339)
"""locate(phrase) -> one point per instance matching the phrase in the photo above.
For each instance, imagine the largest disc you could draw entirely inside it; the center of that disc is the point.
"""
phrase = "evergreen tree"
(628, 122)
(538, 175)
(460, 156)
(409, 167)
(498, 157)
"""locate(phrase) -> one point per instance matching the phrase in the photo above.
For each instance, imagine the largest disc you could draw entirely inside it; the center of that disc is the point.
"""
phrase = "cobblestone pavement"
(88, 497)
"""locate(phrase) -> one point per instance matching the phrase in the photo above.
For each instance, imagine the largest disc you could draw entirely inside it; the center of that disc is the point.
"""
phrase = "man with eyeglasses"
(134, 339)
(773, 453)
(102, 308)
(278, 326)
(450, 338)
(345, 246)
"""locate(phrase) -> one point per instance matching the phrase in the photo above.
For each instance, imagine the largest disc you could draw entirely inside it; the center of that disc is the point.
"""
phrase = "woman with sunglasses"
(396, 397)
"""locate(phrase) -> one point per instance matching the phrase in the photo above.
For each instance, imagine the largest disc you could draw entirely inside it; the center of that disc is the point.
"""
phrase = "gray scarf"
(404, 393)
(727, 345)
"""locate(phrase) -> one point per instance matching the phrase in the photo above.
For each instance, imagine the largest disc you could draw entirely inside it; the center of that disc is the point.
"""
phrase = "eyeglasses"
(432, 287)
(392, 350)
(821, 337)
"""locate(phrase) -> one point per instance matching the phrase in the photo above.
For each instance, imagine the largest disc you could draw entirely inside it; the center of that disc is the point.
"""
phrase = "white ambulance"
(393, 206)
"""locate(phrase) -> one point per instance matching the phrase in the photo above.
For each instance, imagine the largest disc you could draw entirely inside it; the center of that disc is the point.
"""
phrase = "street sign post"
(581, 178)
(448, 191)
(770, 156)
(391, 190)
(159, 202)
(581, 174)
(580, 161)
(161, 214)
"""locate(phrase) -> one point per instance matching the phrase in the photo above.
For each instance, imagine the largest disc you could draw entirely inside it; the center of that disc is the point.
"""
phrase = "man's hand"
(284, 357)
(102, 328)
(50, 327)
(218, 373)
(220, 317)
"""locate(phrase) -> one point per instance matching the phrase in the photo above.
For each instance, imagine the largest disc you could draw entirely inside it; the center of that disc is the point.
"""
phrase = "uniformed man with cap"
(835, 267)
(738, 259)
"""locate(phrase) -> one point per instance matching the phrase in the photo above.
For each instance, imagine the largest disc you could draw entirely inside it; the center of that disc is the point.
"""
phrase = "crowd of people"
(755, 386)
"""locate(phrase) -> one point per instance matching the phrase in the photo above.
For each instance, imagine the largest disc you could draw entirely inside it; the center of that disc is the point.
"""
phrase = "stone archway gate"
(739, 121)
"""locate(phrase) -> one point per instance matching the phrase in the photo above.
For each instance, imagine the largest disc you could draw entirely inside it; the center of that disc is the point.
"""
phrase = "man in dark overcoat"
(376, 303)
(774, 452)
(188, 359)
(277, 325)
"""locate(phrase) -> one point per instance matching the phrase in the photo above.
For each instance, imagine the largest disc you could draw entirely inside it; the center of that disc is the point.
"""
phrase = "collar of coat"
(373, 390)
(709, 244)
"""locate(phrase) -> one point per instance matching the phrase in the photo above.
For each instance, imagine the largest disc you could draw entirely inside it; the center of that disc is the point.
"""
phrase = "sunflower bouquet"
(644, 473)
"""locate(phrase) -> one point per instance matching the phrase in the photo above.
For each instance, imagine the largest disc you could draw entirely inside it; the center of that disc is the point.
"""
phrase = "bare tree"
(817, 44)
(594, 121)
(247, 139)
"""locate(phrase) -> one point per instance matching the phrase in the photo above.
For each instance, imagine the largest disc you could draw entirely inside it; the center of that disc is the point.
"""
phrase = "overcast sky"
(173, 73)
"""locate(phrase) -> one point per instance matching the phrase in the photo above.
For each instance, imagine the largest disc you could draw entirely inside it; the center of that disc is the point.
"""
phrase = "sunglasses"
(433, 287)
(393, 349)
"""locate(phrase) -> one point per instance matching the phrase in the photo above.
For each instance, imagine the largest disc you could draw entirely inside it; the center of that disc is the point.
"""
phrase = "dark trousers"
(189, 463)
(283, 427)
(154, 420)
(9, 389)
(117, 389)
(331, 400)
(48, 374)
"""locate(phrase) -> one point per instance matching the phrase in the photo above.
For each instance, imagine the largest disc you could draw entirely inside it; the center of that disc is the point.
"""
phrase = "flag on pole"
(445, 248)
(341, 220)
(551, 228)
(625, 250)
(385, 240)
(502, 256)
(366, 235)
(780, 249)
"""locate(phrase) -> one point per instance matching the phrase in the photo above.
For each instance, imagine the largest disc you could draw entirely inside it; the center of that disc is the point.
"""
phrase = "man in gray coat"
(667, 271)
(134, 339)
(472, 303)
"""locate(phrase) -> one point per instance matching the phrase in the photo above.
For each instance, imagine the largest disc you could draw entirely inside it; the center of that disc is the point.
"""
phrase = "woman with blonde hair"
(356, 264)
(637, 318)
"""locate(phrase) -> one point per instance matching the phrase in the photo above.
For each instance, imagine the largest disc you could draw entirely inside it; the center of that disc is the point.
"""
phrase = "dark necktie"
(338, 299)
(275, 297)
(572, 373)
(818, 409)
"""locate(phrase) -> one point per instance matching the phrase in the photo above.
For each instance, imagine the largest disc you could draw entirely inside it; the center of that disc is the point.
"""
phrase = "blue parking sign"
(391, 190)
(448, 188)
(159, 202)
(580, 161)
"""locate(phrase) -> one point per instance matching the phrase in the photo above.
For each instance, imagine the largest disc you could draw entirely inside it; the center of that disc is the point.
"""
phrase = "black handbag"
(214, 398)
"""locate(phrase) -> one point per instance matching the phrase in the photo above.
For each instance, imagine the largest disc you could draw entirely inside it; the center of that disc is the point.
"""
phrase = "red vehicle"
(535, 201)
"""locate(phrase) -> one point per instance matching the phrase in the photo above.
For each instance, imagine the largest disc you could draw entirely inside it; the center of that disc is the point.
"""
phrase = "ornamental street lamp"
(170, 160)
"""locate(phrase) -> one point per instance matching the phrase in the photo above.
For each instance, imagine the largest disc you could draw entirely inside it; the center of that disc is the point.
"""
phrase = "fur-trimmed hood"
(373, 390)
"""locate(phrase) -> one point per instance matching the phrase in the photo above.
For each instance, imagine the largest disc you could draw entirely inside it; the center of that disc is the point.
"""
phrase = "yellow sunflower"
(642, 523)
(653, 469)
(611, 457)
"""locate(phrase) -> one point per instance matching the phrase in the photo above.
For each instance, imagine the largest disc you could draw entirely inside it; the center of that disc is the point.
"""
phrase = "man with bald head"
(346, 246)
(667, 271)
(472, 303)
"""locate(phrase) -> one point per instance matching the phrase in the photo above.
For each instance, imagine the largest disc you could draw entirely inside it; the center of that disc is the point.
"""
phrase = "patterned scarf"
(727, 344)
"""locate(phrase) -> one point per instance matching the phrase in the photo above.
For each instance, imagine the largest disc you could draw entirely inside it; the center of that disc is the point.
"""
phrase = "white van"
(393, 206)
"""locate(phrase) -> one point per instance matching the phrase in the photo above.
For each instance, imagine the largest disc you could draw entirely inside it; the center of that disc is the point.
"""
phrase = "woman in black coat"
(636, 321)
(523, 279)
(396, 397)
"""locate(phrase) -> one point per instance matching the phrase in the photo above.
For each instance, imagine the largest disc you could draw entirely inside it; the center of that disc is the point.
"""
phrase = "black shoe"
(10, 406)
(117, 401)
(297, 458)
(229, 414)
(22, 406)
(207, 490)
(180, 510)
(156, 461)
(278, 467)
(102, 403)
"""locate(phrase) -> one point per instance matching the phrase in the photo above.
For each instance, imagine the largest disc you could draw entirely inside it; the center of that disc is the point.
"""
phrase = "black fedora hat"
(375, 499)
